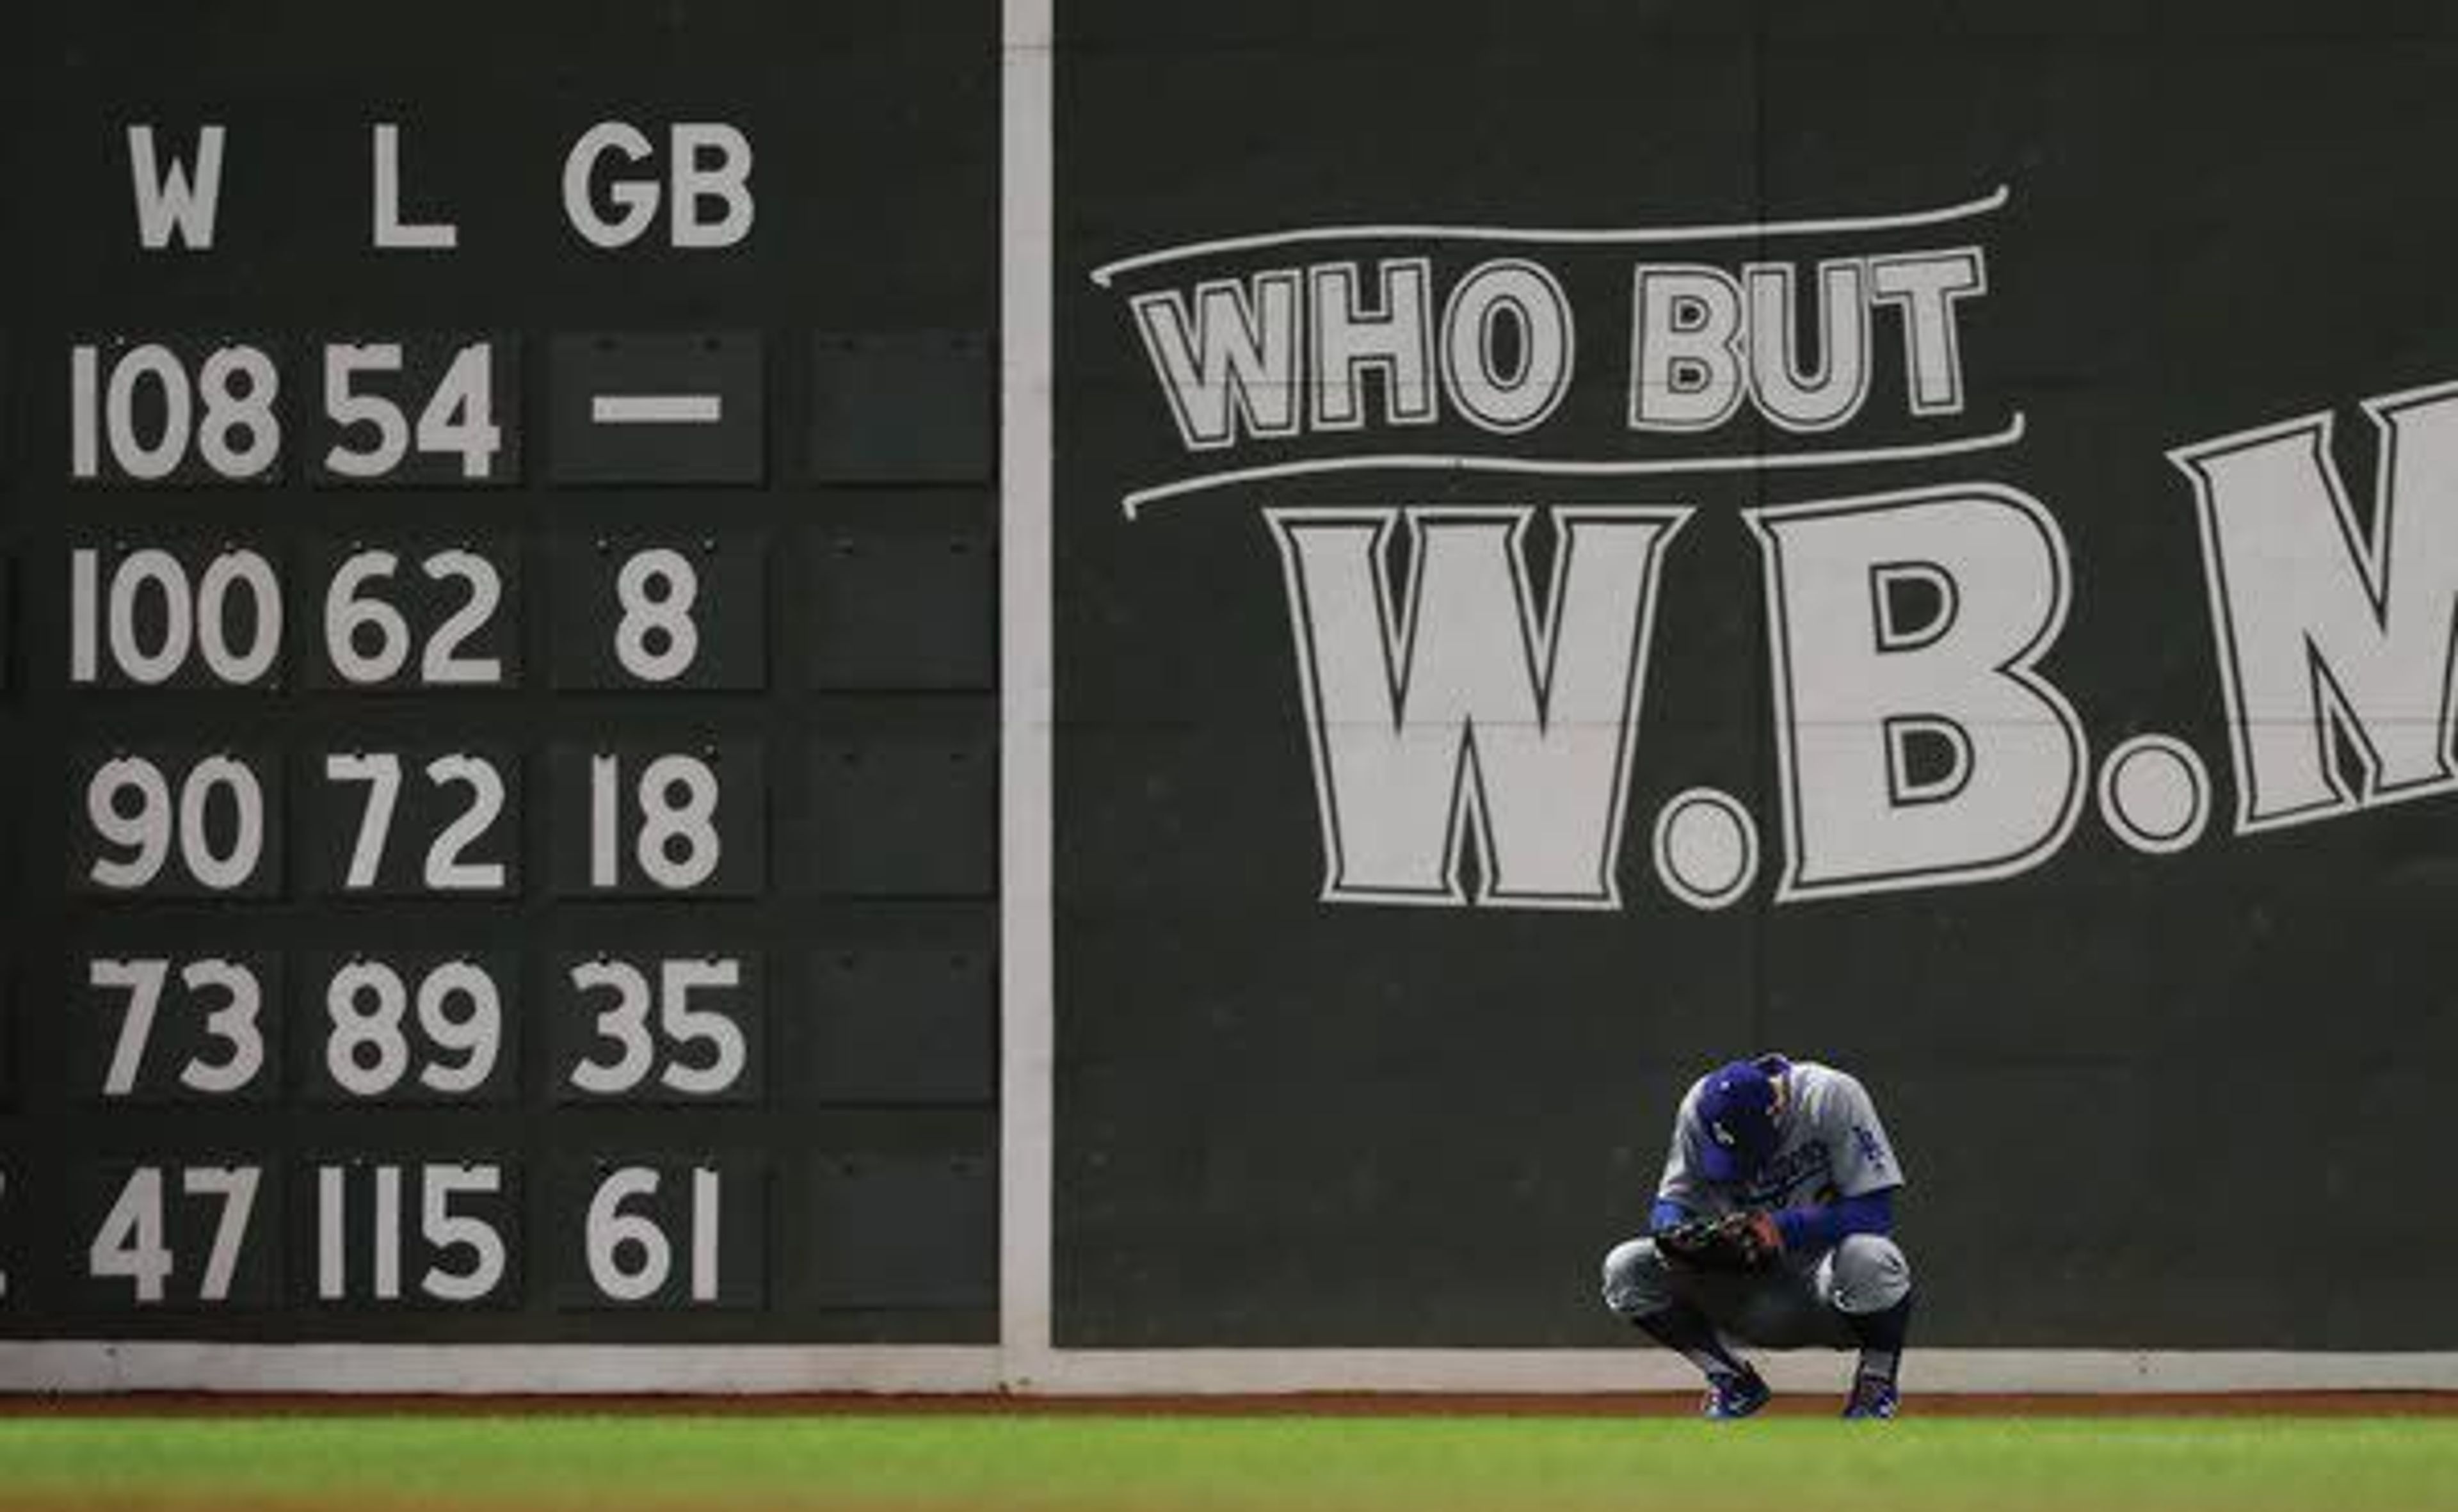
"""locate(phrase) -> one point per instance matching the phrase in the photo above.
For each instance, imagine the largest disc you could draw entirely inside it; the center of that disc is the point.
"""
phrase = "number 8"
(678, 844)
(367, 1054)
(656, 640)
(245, 407)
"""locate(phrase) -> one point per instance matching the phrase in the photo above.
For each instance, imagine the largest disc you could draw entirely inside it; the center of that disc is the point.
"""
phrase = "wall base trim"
(455, 1369)
(97, 1366)
(1640, 1368)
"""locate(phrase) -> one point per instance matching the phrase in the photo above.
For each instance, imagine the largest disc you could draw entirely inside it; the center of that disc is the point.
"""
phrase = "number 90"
(140, 820)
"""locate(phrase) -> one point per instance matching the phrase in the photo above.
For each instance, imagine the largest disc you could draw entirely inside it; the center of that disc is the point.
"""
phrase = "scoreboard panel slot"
(902, 815)
(900, 608)
(902, 408)
(903, 1231)
(904, 1024)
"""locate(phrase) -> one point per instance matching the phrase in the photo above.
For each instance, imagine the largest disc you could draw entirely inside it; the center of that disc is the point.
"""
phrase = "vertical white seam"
(1026, 985)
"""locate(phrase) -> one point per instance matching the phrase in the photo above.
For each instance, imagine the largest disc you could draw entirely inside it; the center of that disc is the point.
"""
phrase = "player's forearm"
(1830, 1223)
(1666, 1215)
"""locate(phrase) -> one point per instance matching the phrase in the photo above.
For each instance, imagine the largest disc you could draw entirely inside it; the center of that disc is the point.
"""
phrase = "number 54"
(457, 419)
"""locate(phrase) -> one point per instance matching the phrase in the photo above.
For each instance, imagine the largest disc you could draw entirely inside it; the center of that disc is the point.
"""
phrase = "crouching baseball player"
(1773, 1225)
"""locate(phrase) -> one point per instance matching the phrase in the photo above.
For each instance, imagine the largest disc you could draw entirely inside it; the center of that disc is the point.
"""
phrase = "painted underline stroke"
(1133, 503)
(1635, 236)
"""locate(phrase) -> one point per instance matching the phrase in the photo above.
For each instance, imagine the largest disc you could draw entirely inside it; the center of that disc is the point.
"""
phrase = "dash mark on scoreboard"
(658, 409)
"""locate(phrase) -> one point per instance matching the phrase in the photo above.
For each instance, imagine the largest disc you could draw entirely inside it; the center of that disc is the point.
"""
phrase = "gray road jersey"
(1828, 1145)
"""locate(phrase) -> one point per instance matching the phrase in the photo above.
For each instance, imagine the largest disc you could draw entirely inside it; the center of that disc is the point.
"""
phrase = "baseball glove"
(1734, 1242)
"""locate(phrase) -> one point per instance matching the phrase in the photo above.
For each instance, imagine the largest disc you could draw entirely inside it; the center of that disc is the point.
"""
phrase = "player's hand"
(1729, 1243)
(1766, 1235)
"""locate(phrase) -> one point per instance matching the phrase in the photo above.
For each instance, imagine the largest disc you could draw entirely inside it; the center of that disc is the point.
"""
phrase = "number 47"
(130, 1246)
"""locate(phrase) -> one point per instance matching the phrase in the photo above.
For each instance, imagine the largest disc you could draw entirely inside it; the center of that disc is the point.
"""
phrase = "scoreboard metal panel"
(427, 664)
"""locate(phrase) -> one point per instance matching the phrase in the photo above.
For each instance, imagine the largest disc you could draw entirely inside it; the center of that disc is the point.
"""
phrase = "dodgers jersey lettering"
(1828, 1144)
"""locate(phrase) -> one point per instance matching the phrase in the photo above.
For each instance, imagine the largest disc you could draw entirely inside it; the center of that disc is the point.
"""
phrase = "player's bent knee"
(1635, 1280)
(1871, 1273)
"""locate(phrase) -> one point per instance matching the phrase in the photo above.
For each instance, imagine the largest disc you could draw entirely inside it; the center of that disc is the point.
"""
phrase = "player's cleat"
(1731, 1396)
(1871, 1398)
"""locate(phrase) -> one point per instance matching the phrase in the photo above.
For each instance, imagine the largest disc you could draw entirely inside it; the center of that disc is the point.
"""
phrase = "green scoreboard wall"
(1089, 694)
(499, 732)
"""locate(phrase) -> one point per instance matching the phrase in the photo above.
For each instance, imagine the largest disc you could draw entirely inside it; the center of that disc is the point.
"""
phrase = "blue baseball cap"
(1736, 1112)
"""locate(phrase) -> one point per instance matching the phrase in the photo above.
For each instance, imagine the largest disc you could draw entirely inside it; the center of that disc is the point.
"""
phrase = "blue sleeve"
(1823, 1226)
(1666, 1214)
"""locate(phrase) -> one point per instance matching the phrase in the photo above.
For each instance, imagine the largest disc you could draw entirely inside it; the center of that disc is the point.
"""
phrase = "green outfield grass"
(1229, 1464)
